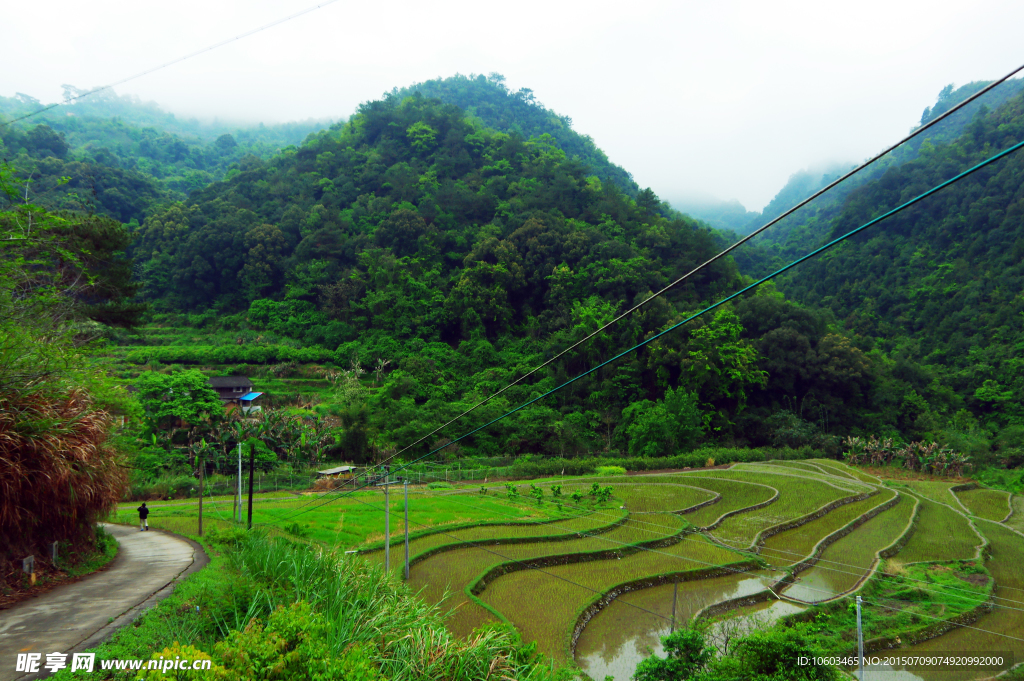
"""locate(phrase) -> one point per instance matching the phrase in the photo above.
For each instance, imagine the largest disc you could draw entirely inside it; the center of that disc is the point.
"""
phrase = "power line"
(720, 255)
(861, 572)
(507, 558)
(725, 300)
(695, 560)
(222, 43)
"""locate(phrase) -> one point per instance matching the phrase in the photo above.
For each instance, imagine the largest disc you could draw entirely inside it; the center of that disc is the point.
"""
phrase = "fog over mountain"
(724, 99)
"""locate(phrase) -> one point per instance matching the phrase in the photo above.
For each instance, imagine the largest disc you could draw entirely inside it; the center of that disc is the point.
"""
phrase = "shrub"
(440, 485)
(174, 653)
(611, 470)
(296, 530)
(292, 646)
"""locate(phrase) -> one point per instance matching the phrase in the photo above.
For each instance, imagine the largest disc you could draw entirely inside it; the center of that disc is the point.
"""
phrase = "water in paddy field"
(621, 635)
(817, 585)
(997, 633)
(743, 621)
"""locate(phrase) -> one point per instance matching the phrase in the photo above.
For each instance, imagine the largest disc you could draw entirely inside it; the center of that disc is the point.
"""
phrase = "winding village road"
(83, 614)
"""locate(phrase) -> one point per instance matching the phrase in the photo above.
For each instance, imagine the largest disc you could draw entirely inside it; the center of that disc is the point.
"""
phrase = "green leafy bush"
(611, 470)
(292, 646)
(440, 485)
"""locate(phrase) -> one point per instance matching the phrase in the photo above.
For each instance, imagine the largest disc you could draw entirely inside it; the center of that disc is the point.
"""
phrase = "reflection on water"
(818, 583)
(621, 635)
(742, 621)
(997, 633)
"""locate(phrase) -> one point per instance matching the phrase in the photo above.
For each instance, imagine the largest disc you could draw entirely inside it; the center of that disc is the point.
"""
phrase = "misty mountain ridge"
(133, 111)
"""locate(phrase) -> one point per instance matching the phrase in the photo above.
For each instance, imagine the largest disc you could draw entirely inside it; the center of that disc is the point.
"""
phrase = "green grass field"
(792, 546)
(990, 504)
(941, 534)
(354, 519)
(848, 560)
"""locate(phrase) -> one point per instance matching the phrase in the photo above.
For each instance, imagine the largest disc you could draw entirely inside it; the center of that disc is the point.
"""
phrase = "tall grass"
(58, 473)
(403, 636)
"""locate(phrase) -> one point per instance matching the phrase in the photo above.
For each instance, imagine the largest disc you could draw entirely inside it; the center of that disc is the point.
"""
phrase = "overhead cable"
(786, 268)
(222, 43)
(717, 257)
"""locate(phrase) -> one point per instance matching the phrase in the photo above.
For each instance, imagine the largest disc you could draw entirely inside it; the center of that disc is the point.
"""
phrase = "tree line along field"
(562, 564)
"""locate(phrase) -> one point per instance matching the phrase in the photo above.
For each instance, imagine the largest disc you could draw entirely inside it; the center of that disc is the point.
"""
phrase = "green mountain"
(452, 246)
(939, 285)
(123, 157)
(810, 227)
(488, 100)
(724, 215)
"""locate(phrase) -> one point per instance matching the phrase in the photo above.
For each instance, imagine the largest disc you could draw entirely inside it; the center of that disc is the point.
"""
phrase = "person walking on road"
(143, 513)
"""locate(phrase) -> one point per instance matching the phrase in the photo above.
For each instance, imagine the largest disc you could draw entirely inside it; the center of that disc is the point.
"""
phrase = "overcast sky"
(726, 99)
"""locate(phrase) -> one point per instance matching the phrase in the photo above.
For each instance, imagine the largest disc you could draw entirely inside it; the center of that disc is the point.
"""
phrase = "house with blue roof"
(236, 392)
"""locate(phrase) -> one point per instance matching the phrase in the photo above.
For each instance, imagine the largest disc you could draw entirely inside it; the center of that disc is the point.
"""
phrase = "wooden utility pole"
(675, 593)
(406, 482)
(387, 530)
(252, 467)
(202, 469)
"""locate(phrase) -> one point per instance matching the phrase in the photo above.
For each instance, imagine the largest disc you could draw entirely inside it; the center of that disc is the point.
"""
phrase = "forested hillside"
(488, 100)
(453, 256)
(449, 248)
(940, 286)
(795, 235)
(122, 157)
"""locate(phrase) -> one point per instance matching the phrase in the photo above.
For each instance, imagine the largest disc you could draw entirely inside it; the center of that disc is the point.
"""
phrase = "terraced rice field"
(838, 481)
(941, 534)
(1016, 521)
(797, 465)
(648, 496)
(792, 546)
(544, 605)
(567, 529)
(736, 495)
(842, 470)
(990, 504)
(544, 601)
(847, 561)
(799, 496)
(1000, 630)
(936, 491)
(614, 640)
(452, 571)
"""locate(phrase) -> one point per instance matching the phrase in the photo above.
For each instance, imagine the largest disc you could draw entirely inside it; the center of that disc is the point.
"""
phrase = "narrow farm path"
(80, 615)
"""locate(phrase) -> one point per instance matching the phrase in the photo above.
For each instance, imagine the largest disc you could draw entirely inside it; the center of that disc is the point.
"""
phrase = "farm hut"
(236, 393)
(340, 472)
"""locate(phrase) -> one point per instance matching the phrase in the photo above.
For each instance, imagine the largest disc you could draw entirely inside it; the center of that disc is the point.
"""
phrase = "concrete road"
(73, 617)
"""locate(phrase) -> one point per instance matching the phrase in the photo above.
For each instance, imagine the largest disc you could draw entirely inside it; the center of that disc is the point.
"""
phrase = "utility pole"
(238, 496)
(406, 483)
(860, 645)
(252, 466)
(675, 592)
(202, 469)
(387, 530)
